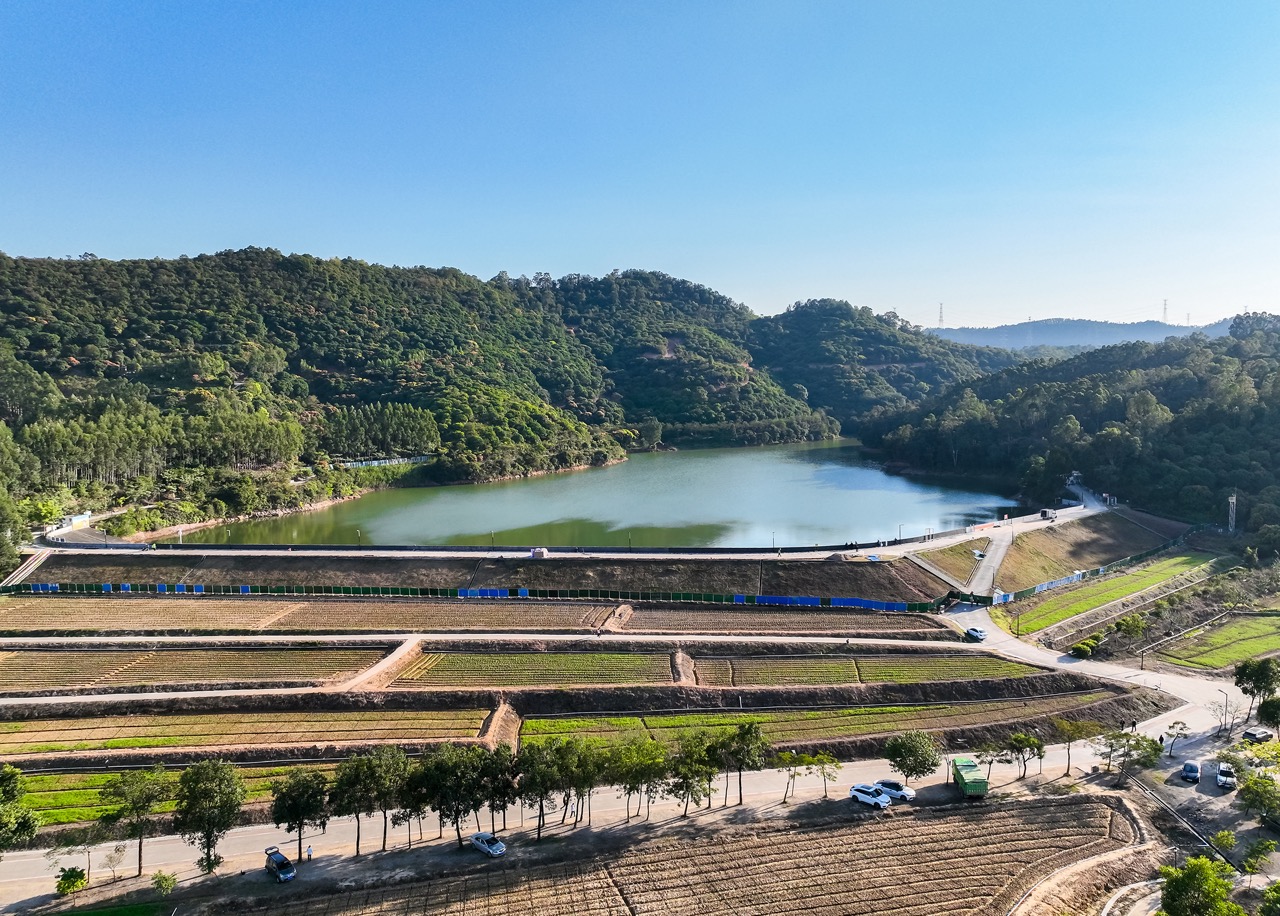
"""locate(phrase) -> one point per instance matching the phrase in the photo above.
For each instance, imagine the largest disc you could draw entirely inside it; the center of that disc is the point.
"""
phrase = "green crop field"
(1095, 594)
(202, 730)
(38, 669)
(1240, 637)
(790, 670)
(532, 669)
(811, 725)
(70, 798)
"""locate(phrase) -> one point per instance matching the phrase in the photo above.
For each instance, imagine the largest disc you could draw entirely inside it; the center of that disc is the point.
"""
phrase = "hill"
(1074, 332)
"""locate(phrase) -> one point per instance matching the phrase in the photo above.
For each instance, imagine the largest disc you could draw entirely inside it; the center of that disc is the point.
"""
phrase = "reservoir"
(784, 495)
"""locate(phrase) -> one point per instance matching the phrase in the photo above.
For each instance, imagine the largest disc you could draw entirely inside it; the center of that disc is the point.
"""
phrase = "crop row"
(529, 669)
(750, 671)
(812, 724)
(233, 729)
(1234, 641)
(66, 668)
(75, 797)
(754, 619)
(962, 862)
(155, 614)
(1068, 604)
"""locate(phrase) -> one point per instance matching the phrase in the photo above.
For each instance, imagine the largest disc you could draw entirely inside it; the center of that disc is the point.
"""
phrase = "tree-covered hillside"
(204, 386)
(1178, 425)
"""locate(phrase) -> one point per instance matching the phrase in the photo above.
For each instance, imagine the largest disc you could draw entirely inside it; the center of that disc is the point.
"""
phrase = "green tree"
(791, 763)
(300, 800)
(1259, 793)
(390, 770)
(636, 765)
(1258, 679)
(1023, 748)
(1255, 857)
(458, 774)
(71, 880)
(499, 783)
(355, 790)
(18, 824)
(1224, 839)
(1269, 712)
(1070, 731)
(136, 795)
(164, 883)
(1202, 887)
(747, 749)
(691, 769)
(539, 766)
(826, 766)
(1176, 731)
(914, 754)
(1270, 901)
(209, 797)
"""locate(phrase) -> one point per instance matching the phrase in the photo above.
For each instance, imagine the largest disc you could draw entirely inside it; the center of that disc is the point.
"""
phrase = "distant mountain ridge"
(1075, 332)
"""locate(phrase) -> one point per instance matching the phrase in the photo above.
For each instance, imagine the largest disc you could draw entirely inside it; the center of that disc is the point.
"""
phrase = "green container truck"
(969, 778)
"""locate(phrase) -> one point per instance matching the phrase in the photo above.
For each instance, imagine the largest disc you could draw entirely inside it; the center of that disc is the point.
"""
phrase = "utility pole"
(1166, 311)
(1231, 514)
(939, 314)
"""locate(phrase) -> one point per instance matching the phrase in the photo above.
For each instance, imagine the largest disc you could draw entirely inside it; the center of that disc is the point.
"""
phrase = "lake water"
(785, 495)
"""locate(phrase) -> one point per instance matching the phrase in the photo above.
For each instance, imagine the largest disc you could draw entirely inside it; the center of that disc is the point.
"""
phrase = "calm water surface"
(788, 495)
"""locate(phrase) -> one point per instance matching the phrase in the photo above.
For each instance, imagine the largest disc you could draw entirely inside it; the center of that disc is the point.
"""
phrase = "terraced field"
(753, 619)
(958, 560)
(250, 729)
(812, 724)
(1241, 637)
(533, 669)
(150, 614)
(789, 670)
(39, 669)
(71, 798)
(1066, 604)
(975, 862)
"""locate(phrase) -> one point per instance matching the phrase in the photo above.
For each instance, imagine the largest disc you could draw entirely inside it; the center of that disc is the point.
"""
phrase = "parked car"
(1257, 735)
(895, 789)
(1191, 771)
(1226, 776)
(977, 634)
(489, 844)
(279, 865)
(870, 795)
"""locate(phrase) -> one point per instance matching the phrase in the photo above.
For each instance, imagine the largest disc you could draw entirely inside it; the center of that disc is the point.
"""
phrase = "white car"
(977, 634)
(489, 844)
(1226, 776)
(870, 795)
(895, 789)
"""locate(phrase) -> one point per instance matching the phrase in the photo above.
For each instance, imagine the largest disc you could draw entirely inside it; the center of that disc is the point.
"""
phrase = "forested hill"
(1074, 332)
(1178, 425)
(202, 384)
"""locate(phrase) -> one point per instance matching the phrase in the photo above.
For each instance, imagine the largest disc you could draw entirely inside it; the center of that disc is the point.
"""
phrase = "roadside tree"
(991, 754)
(747, 750)
(1270, 901)
(1258, 679)
(390, 769)
(1176, 731)
(1202, 887)
(1258, 793)
(539, 778)
(355, 790)
(791, 763)
(1269, 712)
(914, 754)
(136, 794)
(1255, 857)
(827, 767)
(209, 797)
(1023, 747)
(637, 765)
(299, 801)
(1071, 731)
(499, 775)
(18, 824)
(692, 769)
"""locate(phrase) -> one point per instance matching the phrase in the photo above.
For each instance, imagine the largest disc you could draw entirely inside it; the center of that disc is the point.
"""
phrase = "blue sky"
(1010, 160)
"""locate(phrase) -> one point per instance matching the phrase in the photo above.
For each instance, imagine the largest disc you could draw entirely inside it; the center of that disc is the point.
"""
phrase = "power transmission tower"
(1231, 514)
(1166, 311)
(939, 314)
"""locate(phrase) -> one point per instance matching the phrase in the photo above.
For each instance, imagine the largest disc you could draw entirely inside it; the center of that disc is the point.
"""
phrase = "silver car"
(489, 844)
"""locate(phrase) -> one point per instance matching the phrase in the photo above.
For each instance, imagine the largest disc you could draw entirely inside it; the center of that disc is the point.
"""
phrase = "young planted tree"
(1270, 901)
(1255, 857)
(635, 765)
(18, 823)
(1136, 752)
(914, 754)
(209, 797)
(1022, 748)
(390, 769)
(1176, 731)
(692, 769)
(299, 801)
(991, 754)
(135, 795)
(355, 790)
(790, 763)
(539, 766)
(827, 767)
(748, 750)
(1070, 732)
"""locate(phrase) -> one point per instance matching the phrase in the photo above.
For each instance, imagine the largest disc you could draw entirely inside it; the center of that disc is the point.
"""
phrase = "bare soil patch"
(958, 560)
(1058, 550)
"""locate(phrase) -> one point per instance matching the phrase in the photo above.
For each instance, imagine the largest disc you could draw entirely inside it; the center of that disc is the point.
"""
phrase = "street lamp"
(1222, 721)
(899, 532)
(773, 537)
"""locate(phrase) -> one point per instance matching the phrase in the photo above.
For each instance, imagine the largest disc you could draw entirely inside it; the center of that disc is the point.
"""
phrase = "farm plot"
(974, 862)
(1067, 604)
(1239, 638)
(258, 729)
(149, 614)
(759, 619)
(38, 669)
(70, 798)
(533, 669)
(789, 670)
(798, 726)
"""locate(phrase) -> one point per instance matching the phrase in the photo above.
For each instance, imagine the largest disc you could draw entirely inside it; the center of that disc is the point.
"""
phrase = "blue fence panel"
(244, 589)
(524, 592)
(106, 586)
(739, 599)
(126, 587)
(199, 589)
(161, 588)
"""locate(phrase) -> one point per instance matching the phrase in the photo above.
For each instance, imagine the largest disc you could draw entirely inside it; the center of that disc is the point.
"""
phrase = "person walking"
(308, 853)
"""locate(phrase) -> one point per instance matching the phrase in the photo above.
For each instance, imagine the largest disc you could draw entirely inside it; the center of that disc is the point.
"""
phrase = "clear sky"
(1011, 160)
